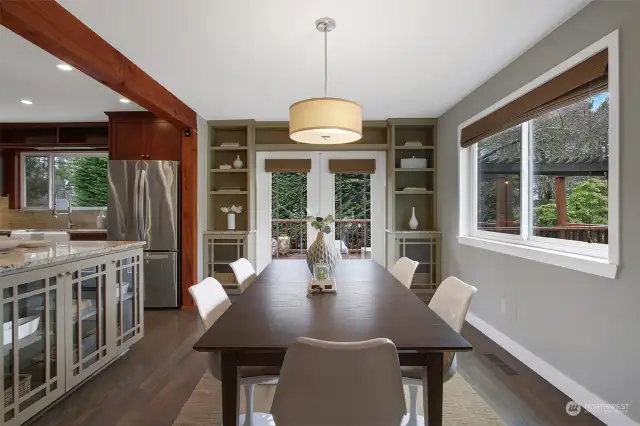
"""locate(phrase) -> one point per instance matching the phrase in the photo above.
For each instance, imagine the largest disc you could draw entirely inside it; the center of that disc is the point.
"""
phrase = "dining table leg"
(230, 389)
(435, 383)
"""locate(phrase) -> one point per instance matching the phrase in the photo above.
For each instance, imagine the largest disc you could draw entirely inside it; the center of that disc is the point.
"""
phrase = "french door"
(284, 197)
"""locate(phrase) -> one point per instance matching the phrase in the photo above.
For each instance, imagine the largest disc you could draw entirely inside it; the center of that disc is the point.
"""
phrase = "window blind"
(583, 80)
(352, 166)
(273, 165)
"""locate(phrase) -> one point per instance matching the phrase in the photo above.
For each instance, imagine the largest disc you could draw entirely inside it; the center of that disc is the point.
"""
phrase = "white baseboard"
(569, 387)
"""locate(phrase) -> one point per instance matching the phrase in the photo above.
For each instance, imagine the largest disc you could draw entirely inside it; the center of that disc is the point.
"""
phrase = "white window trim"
(597, 259)
(51, 155)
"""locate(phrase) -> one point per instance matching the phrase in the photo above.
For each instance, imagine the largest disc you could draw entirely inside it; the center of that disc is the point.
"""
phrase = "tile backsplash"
(19, 219)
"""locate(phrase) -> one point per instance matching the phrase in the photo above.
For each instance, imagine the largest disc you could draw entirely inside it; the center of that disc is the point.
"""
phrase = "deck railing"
(573, 231)
(289, 236)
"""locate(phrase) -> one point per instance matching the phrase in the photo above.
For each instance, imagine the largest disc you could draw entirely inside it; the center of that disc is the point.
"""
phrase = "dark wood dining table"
(274, 311)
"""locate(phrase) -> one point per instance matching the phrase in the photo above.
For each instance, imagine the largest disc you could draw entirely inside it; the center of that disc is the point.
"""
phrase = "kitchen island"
(68, 310)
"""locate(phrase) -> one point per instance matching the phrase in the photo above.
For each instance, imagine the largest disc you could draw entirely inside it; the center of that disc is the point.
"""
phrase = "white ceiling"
(28, 72)
(253, 58)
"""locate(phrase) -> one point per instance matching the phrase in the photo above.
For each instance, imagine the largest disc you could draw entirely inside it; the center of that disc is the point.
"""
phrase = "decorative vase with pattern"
(320, 251)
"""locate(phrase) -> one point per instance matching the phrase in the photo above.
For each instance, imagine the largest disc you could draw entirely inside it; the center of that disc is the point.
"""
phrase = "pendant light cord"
(325, 62)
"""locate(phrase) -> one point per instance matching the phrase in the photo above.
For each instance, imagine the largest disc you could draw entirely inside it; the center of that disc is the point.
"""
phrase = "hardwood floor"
(149, 384)
(515, 392)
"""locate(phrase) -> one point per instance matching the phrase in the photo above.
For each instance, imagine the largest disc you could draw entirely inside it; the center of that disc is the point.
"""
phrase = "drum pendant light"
(325, 121)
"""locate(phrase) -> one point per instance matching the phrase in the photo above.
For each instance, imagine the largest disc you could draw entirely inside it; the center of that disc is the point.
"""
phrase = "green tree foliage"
(37, 181)
(587, 203)
(577, 131)
(89, 179)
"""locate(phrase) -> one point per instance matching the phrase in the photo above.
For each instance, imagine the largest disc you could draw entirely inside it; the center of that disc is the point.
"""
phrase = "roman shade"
(273, 165)
(583, 80)
(352, 166)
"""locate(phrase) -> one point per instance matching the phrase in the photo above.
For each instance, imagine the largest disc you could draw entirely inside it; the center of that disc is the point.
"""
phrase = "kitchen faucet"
(70, 224)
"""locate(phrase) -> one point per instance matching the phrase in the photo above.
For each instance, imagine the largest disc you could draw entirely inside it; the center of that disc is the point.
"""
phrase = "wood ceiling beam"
(50, 26)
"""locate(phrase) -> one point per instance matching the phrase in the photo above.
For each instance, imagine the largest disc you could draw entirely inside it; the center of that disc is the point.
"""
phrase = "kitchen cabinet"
(33, 343)
(141, 135)
(423, 247)
(63, 323)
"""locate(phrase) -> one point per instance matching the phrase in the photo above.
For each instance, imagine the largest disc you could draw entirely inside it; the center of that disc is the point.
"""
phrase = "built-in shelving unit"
(236, 186)
(230, 186)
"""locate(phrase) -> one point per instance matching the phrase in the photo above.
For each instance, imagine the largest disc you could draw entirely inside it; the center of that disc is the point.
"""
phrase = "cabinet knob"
(67, 273)
(60, 275)
(142, 156)
(113, 261)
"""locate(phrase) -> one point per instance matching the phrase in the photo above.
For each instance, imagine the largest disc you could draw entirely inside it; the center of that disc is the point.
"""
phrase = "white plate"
(35, 243)
(10, 243)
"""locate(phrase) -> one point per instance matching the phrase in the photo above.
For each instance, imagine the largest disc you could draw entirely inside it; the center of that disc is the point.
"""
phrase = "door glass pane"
(103, 311)
(128, 283)
(74, 329)
(498, 197)
(31, 345)
(118, 302)
(7, 317)
(288, 212)
(353, 215)
(53, 368)
(36, 180)
(570, 167)
(89, 316)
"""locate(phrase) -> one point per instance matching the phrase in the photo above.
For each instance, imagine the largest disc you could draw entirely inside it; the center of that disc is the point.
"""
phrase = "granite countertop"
(68, 231)
(21, 259)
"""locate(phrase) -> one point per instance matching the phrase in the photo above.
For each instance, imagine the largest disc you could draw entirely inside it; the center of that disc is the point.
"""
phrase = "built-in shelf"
(310, 147)
(228, 192)
(423, 191)
(402, 147)
(228, 148)
(429, 169)
(228, 170)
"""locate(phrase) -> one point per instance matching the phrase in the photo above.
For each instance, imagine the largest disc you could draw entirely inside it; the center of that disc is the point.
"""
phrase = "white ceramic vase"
(231, 221)
(413, 222)
(238, 163)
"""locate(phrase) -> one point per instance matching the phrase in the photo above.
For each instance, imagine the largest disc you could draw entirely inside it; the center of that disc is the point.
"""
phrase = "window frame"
(51, 172)
(598, 259)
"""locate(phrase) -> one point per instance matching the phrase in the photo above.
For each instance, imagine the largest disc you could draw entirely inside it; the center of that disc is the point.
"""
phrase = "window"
(540, 180)
(83, 176)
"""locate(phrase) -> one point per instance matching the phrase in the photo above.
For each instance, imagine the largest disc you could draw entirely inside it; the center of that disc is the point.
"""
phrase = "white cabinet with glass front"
(67, 311)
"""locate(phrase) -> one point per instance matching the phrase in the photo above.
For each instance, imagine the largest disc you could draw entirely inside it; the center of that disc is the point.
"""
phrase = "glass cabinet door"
(31, 366)
(128, 300)
(87, 329)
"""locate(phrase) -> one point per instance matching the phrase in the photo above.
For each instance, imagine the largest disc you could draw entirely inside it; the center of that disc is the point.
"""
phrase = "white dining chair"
(244, 272)
(451, 303)
(212, 301)
(403, 270)
(339, 384)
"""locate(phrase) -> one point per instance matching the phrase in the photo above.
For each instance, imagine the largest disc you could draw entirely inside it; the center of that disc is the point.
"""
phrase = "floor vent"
(495, 360)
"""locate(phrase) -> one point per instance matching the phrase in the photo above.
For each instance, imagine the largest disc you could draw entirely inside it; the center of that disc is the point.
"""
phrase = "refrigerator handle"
(147, 207)
(136, 200)
(142, 201)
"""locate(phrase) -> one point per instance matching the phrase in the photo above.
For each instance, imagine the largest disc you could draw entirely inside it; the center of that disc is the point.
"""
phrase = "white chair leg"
(248, 394)
(412, 418)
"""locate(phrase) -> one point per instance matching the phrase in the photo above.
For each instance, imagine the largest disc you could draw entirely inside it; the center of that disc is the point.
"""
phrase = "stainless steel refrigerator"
(143, 206)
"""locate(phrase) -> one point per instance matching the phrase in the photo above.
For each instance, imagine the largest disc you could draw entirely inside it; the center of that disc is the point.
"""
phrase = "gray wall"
(583, 325)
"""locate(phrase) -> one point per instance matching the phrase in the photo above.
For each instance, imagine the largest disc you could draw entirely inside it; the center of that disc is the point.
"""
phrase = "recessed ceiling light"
(64, 67)
(26, 102)
(125, 100)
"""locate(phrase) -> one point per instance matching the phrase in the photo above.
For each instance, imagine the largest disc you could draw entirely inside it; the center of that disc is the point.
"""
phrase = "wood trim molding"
(50, 26)
(272, 165)
(189, 214)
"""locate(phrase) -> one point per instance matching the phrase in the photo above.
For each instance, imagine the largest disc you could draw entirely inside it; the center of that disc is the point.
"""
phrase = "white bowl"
(26, 327)
(10, 243)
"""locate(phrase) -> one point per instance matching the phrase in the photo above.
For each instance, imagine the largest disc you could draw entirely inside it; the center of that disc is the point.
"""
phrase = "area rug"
(462, 405)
